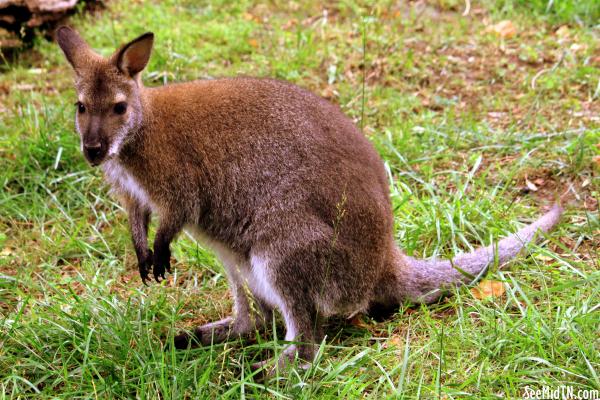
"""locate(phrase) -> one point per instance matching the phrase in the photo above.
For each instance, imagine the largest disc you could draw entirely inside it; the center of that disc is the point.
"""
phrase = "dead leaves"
(505, 29)
(394, 342)
(530, 185)
(358, 321)
(289, 24)
(596, 159)
(533, 185)
(563, 32)
(488, 289)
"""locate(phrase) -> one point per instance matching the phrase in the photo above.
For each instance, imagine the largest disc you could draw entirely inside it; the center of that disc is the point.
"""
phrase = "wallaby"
(277, 181)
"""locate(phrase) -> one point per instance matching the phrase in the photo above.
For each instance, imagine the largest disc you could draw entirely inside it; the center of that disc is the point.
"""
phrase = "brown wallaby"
(276, 180)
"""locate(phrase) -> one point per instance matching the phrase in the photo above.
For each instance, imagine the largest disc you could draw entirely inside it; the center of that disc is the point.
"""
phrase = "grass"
(464, 121)
(555, 11)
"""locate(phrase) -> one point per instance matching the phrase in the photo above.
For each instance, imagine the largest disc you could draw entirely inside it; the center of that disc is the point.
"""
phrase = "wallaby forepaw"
(161, 264)
(144, 266)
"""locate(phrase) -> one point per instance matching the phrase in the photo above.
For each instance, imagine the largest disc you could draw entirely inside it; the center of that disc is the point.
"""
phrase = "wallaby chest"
(124, 183)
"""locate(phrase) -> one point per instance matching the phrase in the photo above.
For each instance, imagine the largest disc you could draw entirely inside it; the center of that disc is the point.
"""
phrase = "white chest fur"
(123, 182)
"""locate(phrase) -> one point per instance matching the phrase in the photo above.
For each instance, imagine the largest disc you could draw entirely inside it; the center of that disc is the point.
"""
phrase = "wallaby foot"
(225, 329)
(269, 368)
(214, 332)
(303, 328)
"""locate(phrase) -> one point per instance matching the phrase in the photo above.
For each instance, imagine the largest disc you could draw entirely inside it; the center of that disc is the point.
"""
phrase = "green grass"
(462, 119)
(556, 11)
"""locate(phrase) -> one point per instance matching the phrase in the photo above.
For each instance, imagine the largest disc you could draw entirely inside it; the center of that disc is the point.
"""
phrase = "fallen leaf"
(567, 241)
(7, 251)
(290, 24)
(329, 92)
(543, 257)
(396, 341)
(487, 288)
(531, 185)
(596, 159)
(496, 114)
(253, 43)
(504, 29)
(23, 86)
(563, 32)
(359, 322)
(409, 311)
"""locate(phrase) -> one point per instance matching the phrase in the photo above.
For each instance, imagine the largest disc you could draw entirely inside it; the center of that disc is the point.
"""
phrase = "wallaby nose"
(93, 152)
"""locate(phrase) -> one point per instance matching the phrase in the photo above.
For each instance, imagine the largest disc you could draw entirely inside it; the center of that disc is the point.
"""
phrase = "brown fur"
(277, 181)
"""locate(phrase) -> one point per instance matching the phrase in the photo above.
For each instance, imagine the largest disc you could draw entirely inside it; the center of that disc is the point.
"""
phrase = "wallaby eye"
(120, 108)
(80, 107)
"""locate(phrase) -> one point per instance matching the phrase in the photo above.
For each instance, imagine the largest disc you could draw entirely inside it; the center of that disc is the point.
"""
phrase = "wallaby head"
(109, 102)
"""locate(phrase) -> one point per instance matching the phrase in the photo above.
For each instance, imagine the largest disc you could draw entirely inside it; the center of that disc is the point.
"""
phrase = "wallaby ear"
(75, 48)
(132, 58)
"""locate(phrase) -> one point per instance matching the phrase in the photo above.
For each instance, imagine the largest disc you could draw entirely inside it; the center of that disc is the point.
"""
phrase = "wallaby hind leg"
(288, 293)
(304, 330)
(248, 315)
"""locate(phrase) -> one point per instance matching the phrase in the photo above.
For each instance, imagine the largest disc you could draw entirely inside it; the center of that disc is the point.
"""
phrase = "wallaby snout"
(94, 152)
(94, 141)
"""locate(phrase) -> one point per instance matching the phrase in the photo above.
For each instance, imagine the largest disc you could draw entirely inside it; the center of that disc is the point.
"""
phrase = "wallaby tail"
(425, 280)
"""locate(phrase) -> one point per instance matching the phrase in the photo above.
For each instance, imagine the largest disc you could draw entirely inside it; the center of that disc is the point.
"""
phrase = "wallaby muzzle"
(95, 152)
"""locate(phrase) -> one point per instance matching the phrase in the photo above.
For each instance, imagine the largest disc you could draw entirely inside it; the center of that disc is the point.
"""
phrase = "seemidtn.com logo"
(560, 393)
